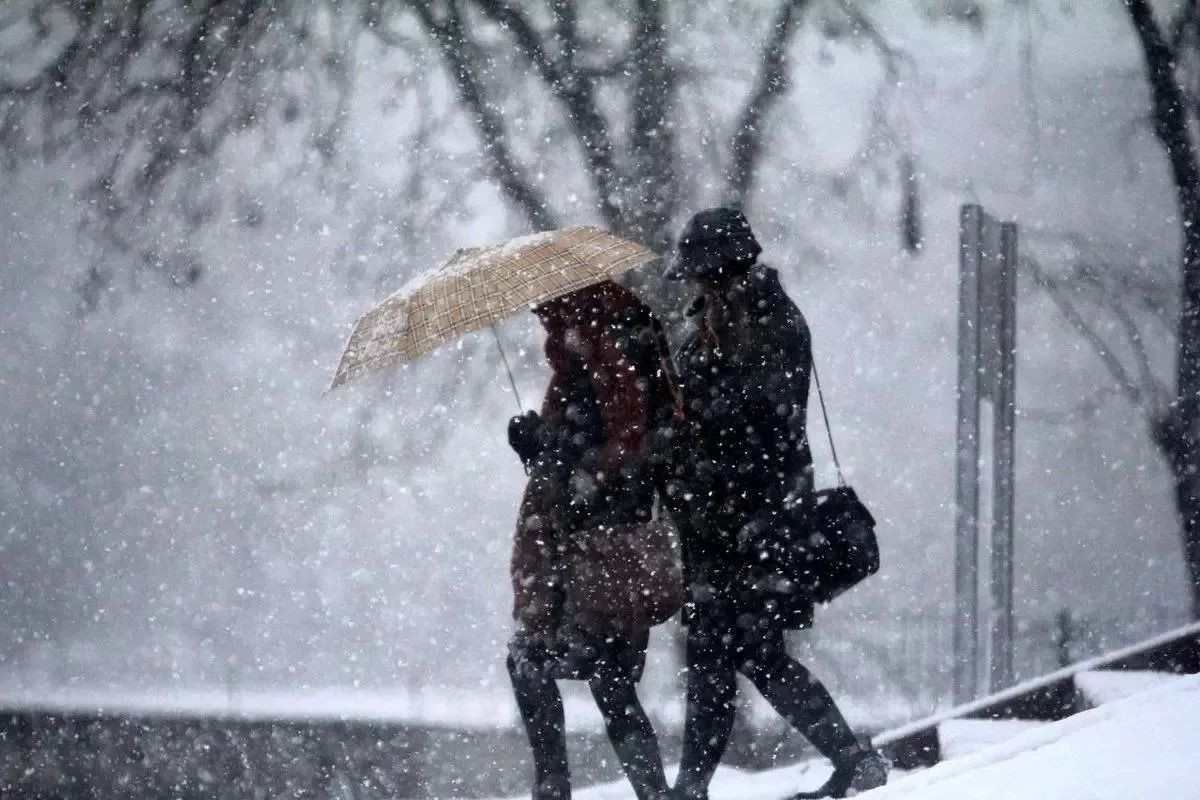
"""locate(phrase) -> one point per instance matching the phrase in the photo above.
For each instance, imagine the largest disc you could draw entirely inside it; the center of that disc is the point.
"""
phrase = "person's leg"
(805, 702)
(541, 709)
(630, 731)
(799, 697)
(711, 692)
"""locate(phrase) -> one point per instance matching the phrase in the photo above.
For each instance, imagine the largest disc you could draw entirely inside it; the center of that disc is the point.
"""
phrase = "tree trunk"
(749, 138)
(1178, 431)
(652, 194)
(1187, 498)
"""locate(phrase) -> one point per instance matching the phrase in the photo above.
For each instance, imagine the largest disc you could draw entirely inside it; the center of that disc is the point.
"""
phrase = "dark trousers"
(722, 643)
(612, 677)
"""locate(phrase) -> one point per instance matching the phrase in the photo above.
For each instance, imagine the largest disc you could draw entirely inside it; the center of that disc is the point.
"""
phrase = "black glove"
(523, 436)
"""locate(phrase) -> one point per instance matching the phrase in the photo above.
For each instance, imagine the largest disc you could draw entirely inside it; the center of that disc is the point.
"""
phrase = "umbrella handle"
(507, 369)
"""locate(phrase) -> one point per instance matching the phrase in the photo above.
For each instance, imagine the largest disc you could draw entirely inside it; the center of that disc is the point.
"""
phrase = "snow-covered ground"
(1144, 745)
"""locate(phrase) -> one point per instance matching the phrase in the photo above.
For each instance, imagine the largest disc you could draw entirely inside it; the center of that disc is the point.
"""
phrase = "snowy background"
(182, 507)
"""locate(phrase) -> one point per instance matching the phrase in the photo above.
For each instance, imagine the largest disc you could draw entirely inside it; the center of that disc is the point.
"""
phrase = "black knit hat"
(714, 241)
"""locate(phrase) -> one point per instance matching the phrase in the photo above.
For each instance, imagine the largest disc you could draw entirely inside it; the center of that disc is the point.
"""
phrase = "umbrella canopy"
(480, 286)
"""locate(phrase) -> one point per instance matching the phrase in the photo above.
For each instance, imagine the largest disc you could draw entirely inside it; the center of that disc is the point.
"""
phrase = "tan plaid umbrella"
(480, 286)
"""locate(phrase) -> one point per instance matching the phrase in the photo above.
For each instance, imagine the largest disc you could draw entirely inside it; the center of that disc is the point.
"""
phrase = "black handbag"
(812, 552)
(841, 549)
(847, 550)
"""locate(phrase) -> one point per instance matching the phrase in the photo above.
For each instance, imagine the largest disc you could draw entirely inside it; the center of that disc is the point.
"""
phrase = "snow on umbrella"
(480, 286)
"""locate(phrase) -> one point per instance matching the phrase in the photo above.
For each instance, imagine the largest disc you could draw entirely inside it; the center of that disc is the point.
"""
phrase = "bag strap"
(828, 430)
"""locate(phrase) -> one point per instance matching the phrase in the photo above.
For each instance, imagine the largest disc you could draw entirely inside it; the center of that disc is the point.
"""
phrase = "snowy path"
(728, 784)
(1142, 745)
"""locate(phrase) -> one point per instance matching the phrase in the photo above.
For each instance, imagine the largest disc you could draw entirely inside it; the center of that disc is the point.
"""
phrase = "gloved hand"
(523, 436)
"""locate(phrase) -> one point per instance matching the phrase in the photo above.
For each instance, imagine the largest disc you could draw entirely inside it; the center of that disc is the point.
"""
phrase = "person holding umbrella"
(591, 571)
(589, 455)
(742, 469)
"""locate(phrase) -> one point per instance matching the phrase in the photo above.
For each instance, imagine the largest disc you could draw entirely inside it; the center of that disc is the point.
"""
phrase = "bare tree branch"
(566, 20)
(465, 62)
(574, 91)
(1186, 18)
(527, 38)
(55, 73)
(895, 60)
(1084, 408)
(1130, 387)
(566, 32)
(772, 82)
(1114, 297)
(1154, 388)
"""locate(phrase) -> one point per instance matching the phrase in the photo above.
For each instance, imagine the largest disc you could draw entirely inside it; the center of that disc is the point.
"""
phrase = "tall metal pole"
(966, 541)
(1004, 449)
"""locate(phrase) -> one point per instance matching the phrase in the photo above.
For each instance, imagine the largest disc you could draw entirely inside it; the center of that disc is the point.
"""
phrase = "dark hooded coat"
(741, 463)
(591, 459)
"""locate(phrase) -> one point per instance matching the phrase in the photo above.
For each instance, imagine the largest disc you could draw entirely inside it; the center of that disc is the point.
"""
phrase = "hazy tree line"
(149, 89)
(144, 94)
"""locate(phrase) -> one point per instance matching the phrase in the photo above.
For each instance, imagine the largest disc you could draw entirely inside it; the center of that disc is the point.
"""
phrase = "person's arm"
(778, 403)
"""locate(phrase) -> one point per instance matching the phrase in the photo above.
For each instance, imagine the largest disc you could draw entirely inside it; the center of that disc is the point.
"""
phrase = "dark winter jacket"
(589, 450)
(742, 460)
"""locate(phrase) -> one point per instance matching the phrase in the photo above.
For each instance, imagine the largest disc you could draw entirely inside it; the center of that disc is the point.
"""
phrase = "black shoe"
(553, 788)
(867, 771)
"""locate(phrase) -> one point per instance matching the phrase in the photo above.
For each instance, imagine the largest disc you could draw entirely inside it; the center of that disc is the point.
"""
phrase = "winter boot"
(690, 793)
(868, 770)
(553, 787)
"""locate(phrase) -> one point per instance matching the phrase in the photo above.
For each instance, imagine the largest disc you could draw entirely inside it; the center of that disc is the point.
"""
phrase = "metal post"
(966, 550)
(1004, 449)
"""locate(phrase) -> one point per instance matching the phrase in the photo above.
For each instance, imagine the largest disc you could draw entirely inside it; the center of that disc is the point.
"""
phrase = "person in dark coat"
(587, 454)
(743, 468)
